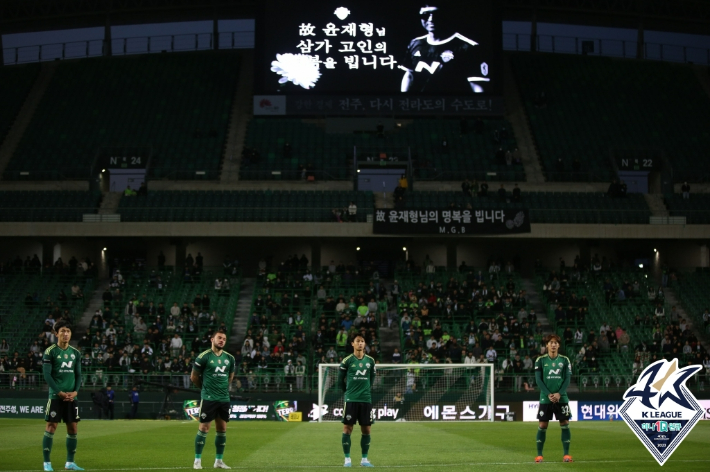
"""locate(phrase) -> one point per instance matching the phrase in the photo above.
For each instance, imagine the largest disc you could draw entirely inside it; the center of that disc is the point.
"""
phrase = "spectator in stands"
(352, 211)
(613, 190)
(129, 192)
(396, 356)
(623, 189)
(483, 192)
(706, 319)
(685, 189)
(516, 193)
(502, 194)
(176, 345)
(466, 188)
(491, 355)
(142, 190)
(4, 348)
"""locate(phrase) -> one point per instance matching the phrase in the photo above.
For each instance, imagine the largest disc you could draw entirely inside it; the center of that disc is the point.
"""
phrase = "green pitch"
(163, 445)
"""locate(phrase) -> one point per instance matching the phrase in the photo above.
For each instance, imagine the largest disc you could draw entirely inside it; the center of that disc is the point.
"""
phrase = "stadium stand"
(244, 205)
(57, 205)
(594, 104)
(278, 330)
(205, 300)
(178, 104)
(29, 297)
(330, 155)
(619, 334)
(15, 84)
(693, 294)
(696, 209)
(547, 207)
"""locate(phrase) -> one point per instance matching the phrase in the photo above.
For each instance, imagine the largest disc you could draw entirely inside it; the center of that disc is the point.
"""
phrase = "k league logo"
(659, 409)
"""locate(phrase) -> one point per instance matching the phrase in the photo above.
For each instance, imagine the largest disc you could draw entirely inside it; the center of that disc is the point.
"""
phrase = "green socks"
(346, 444)
(566, 437)
(541, 435)
(365, 445)
(71, 447)
(47, 445)
(220, 441)
(199, 443)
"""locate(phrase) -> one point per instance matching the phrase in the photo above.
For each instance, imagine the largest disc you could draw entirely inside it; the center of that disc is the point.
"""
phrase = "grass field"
(164, 445)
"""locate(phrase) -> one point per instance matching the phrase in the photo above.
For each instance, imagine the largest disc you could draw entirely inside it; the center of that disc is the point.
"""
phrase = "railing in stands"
(606, 47)
(126, 46)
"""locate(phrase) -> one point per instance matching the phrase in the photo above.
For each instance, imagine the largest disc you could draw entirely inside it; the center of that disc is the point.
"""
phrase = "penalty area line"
(339, 466)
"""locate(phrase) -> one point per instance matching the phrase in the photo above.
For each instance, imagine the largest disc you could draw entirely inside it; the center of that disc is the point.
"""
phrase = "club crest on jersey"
(659, 409)
(73, 356)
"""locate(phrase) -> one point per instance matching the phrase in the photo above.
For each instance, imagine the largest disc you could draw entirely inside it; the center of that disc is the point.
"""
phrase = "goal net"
(415, 392)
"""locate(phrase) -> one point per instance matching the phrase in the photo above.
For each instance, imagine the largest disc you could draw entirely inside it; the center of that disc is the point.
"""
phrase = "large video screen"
(374, 47)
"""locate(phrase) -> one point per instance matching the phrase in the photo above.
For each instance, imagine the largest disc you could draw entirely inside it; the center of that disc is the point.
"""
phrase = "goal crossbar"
(490, 394)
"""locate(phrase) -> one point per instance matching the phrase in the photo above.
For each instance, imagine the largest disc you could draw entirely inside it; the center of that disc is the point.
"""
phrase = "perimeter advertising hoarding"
(263, 411)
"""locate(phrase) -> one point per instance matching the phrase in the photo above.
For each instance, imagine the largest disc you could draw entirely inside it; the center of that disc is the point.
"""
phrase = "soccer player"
(553, 373)
(356, 377)
(61, 366)
(442, 59)
(213, 372)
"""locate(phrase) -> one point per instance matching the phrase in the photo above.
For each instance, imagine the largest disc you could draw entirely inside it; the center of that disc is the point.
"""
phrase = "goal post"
(416, 392)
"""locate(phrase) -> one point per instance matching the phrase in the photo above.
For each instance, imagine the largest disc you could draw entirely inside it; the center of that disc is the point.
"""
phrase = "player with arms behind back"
(553, 373)
(61, 366)
(213, 372)
(356, 377)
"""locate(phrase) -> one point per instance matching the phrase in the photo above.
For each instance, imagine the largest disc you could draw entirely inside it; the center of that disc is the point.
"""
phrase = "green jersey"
(553, 376)
(62, 369)
(215, 371)
(356, 378)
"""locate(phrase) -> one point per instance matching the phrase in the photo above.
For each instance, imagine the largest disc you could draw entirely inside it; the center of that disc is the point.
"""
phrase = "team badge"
(73, 356)
(53, 414)
(226, 362)
(348, 417)
(446, 56)
(367, 365)
(361, 364)
(219, 361)
(66, 357)
(659, 409)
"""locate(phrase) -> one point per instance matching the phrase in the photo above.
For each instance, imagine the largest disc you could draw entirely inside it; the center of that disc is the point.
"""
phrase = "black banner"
(460, 222)
(376, 104)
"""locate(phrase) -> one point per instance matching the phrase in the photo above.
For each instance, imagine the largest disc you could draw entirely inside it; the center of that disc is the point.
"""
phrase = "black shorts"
(60, 411)
(358, 412)
(560, 410)
(209, 410)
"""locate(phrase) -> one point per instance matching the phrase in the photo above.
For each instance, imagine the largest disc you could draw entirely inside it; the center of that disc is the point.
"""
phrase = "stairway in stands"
(7, 147)
(241, 318)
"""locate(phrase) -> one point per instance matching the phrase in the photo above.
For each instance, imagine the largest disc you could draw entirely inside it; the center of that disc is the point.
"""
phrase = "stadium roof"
(690, 16)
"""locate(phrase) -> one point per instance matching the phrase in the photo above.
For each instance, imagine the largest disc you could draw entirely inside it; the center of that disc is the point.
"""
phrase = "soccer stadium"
(277, 235)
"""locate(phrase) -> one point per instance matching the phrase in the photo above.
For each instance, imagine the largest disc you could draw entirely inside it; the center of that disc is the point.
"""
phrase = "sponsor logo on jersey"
(659, 409)
(67, 364)
(555, 371)
(220, 369)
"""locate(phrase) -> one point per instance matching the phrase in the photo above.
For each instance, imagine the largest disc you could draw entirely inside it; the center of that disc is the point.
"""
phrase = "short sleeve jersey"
(554, 373)
(215, 371)
(447, 64)
(64, 364)
(359, 376)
